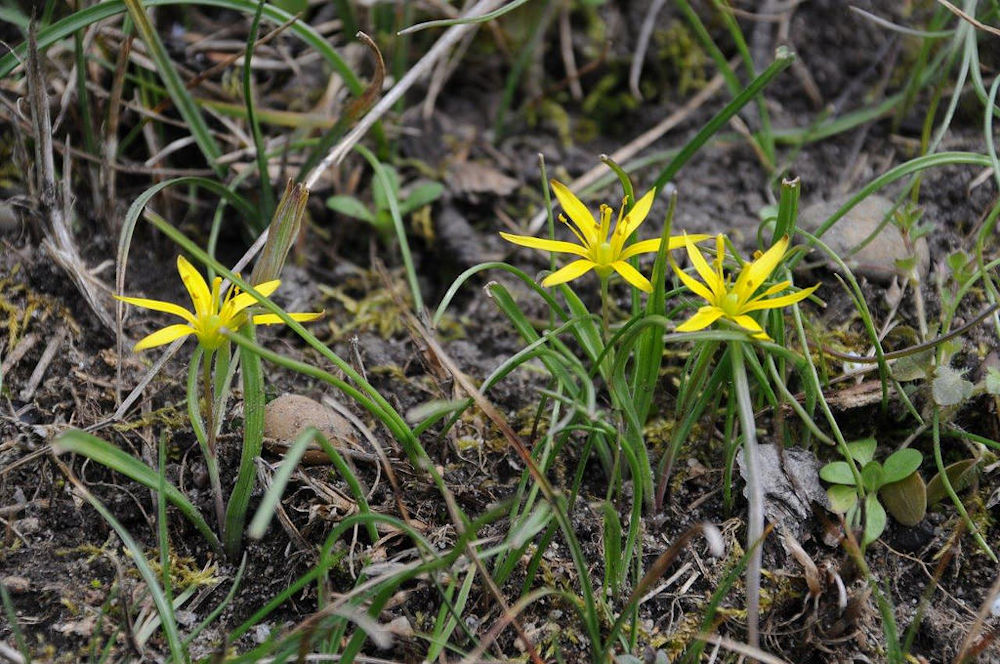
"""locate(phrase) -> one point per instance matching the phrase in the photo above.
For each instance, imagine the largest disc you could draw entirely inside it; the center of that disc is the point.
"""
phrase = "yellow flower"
(601, 249)
(735, 301)
(209, 320)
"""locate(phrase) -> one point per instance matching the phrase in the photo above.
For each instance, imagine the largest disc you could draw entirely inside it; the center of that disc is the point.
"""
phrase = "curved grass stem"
(755, 492)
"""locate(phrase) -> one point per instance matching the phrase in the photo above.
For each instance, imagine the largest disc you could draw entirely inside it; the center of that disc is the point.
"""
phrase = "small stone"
(28, 525)
(17, 584)
(877, 259)
(400, 627)
(289, 415)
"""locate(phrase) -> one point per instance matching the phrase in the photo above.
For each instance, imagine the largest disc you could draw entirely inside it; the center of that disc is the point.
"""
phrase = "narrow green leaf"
(266, 190)
(613, 563)
(448, 22)
(382, 176)
(253, 443)
(164, 608)
(783, 58)
(106, 454)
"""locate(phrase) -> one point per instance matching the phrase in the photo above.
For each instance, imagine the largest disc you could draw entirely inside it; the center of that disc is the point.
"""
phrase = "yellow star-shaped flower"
(735, 301)
(601, 249)
(210, 318)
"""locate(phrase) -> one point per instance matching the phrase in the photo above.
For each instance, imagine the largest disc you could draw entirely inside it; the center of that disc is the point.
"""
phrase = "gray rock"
(877, 259)
(790, 479)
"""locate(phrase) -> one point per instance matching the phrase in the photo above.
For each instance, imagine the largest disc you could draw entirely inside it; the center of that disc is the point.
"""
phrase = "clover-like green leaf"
(421, 195)
(871, 476)
(837, 472)
(875, 519)
(900, 464)
(351, 207)
(842, 498)
(862, 450)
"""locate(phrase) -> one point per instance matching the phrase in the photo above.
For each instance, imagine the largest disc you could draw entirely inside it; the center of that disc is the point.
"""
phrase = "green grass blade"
(253, 442)
(397, 222)
(106, 454)
(103, 10)
(266, 188)
(164, 608)
(447, 621)
(448, 22)
(15, 626)
(182, 99)
(495, 265)
(783, 58)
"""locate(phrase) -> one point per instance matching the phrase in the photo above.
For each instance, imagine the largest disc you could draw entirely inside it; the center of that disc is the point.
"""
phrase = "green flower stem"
(946, 483)
(200, 364)
(755, 518)
(604, 311)
(211, 435)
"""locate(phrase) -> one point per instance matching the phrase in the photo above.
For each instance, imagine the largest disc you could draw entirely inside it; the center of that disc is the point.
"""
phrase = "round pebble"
(877, 259)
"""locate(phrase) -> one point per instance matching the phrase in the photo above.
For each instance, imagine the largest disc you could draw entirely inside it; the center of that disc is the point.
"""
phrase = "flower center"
(730, 305)
(604, 254)
(208, 332)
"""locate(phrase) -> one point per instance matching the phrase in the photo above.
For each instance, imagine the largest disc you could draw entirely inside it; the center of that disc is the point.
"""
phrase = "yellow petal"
(708, 275)
(576, 211)
(771, 290)
(244, 300)
(778, 302)
(638, 213)
(545, 245)
(164, 336)
(632, 275)
(272, 319)
(702, 319)
(568, 273)
(693, 284)
(757, 272)
(627, 226)
(195, 284)
(751, 325)
(678, 241)
(159, 305)
(647, 246)
(644, 247)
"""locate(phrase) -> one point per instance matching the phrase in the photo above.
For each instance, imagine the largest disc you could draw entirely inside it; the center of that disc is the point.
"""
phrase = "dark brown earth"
(69, 576)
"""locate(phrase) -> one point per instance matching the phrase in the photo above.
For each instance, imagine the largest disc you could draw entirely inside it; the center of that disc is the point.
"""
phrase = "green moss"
(684, 56)
(168, 417)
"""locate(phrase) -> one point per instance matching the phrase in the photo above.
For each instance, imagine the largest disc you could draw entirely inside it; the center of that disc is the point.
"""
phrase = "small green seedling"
(895, 481)
(421, 194)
